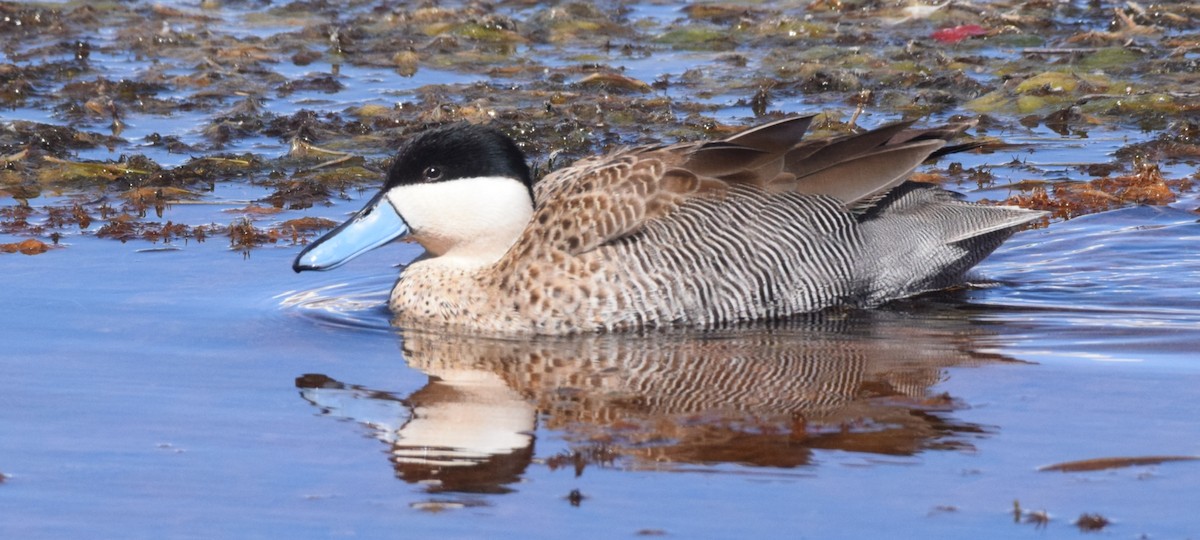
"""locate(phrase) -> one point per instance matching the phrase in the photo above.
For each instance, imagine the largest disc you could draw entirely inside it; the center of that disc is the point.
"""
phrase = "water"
(190, 390)
(193, 393)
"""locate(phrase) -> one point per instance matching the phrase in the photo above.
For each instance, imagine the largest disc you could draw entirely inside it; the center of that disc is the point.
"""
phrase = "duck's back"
(757, 226)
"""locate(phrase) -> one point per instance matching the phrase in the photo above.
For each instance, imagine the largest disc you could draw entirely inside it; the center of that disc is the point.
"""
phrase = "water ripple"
(359, 305)
(1116, 281)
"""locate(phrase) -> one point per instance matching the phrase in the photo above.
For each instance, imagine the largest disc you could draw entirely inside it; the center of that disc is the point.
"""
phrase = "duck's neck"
(467, 223)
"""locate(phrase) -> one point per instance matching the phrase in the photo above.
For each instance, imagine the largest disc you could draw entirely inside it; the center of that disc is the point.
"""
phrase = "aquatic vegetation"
(1100, 464)
(126, 228)
(613, 82)
(693, 38)
(1066, 200)
(31, 246)
(1091, 522)
(566, 80)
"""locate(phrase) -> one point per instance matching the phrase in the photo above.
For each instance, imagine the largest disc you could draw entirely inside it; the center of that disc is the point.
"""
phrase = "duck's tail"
(920, 237)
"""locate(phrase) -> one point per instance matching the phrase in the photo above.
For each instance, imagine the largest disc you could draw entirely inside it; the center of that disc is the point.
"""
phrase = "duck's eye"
(432, 173)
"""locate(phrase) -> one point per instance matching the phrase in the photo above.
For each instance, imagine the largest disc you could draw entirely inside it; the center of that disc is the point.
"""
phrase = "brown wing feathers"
(856, 169)
(598, 201)
(863, 176)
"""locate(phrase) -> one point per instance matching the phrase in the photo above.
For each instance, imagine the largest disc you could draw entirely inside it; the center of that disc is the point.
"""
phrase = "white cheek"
(463, 211)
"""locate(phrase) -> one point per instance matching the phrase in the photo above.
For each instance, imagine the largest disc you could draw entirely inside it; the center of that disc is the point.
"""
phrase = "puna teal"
(760, 225)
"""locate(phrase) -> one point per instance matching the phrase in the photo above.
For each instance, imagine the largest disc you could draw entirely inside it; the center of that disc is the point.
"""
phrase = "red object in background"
(958, 33)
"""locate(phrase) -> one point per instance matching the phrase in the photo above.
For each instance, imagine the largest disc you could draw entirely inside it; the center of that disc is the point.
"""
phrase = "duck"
(764, 224)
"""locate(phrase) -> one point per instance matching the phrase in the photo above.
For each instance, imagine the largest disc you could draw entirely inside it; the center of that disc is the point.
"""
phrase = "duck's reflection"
(763, 396)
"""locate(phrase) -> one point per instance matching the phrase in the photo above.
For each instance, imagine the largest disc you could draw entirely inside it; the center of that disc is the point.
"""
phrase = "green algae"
(1109, 59)
(696, 39)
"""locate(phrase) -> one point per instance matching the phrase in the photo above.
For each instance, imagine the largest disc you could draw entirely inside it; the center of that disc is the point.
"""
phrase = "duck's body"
(760, 225)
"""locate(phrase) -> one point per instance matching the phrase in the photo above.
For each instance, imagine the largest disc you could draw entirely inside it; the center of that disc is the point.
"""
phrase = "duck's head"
(462, 191)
